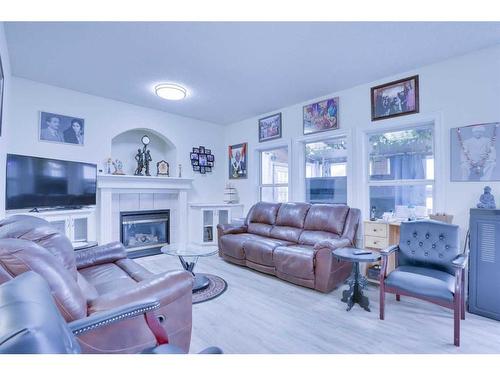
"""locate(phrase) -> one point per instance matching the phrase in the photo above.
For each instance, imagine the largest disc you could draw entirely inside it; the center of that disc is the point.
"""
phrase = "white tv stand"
(78, 225)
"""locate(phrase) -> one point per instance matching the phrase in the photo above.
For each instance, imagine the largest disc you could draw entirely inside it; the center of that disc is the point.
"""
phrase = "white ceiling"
(232, 70)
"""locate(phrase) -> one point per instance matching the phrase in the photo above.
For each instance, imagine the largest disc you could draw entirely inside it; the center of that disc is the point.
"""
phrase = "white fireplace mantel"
(107, 185)
(130, 182)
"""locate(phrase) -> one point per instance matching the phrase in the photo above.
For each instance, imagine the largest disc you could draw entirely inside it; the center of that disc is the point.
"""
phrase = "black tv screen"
(38, 182)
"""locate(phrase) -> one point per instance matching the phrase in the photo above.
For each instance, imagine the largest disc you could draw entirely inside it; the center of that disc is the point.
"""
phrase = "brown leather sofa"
(293, 241)
(98, 279)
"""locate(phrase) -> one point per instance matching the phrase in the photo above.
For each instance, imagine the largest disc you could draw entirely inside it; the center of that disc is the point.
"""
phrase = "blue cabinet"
(484, 268)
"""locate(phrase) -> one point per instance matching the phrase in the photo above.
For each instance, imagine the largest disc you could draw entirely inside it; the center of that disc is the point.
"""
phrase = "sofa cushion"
(312, 237)
(423, 282)
(264, 213)
(286, 233)
(260, 229)
(292, 214)
(261, 250)
(232, 244)
(107, 278)
(295, 260)
(326, 217)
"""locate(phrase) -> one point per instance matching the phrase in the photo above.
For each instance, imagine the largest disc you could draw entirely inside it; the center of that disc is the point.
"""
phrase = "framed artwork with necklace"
(474, 152)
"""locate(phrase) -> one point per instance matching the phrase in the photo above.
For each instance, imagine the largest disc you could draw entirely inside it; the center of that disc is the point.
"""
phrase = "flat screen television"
(34, 182)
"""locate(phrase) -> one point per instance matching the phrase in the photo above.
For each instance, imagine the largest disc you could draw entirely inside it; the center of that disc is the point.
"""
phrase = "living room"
(239, 188)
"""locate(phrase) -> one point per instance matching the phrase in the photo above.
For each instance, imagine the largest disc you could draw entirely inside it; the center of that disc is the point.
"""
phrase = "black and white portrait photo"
(474, 153)
(60, 128)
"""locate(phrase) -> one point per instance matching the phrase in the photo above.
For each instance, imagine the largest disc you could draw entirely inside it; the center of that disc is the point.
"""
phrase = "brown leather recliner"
(95, 280)
(293, 241)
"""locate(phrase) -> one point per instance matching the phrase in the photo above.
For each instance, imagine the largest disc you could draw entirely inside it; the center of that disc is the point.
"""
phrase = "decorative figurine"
(162, 168)
(139, 158)
(108, 165)
(147, 160)
(143, 157)
(487, 200)
(180, 170)
(118, 165)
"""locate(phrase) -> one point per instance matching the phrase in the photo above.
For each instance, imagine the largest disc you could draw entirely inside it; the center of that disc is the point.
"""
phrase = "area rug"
(217, 286)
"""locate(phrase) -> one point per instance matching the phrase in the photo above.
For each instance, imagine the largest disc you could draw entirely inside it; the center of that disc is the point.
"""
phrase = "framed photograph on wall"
(61, 129)
(2, 83)
(397, 98)
(475, 153)
(321, 116)
(270, 127)
(238, 161)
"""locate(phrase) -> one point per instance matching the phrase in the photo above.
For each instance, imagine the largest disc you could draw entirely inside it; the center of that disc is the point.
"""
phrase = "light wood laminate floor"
(259, 313)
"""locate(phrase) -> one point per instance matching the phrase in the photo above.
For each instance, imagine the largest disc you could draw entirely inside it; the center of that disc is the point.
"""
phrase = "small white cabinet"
(77, 225)
(204, 218)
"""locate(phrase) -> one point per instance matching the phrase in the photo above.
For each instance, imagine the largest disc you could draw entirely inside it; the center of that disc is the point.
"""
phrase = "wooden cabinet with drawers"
(379, 235)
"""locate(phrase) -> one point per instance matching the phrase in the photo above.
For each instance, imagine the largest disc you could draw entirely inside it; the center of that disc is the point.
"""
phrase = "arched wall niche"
(124, 147)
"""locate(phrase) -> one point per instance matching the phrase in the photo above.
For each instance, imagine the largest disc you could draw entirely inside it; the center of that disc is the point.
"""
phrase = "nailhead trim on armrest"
(116, 318)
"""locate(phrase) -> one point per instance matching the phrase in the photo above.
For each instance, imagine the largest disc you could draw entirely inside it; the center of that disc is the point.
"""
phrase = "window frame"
(402, 182)
(324, 138)
(271, 147)
(300, 158)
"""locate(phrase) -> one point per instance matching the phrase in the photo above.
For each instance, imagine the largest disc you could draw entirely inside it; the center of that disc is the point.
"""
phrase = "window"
(401, 172)
(274, 175)
(326, 171)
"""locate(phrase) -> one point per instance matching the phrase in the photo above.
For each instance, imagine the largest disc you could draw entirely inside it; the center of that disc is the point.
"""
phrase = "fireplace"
(143, 233)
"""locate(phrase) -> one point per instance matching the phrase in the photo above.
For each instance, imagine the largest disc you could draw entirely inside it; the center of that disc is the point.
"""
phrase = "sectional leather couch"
(293, 241)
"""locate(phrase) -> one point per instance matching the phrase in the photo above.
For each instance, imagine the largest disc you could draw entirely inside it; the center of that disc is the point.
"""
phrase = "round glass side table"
(188, 256)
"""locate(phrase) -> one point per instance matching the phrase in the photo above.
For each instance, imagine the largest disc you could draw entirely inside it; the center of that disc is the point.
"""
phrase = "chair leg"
(463, 296)
(456, 319)
(398, 297)
(382, 302)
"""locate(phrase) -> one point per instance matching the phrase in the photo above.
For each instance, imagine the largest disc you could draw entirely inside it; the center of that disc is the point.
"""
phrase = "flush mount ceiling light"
(170, 91)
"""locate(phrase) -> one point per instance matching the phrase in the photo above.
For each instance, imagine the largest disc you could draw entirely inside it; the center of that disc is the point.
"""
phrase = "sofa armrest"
(166, 287)
(332, 244)
(231, 229)
(92, 256)
(112, 316)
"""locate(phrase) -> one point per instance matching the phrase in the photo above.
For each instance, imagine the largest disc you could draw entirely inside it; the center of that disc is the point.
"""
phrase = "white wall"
(457, 92)
(105, 119)
(4, 54)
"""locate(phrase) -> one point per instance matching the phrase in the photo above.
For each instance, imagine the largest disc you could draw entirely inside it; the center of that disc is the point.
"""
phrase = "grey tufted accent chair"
(429, 266)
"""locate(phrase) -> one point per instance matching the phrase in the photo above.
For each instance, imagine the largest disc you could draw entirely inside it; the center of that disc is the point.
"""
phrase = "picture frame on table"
(321, 116)
(396, 98)
(270, 127)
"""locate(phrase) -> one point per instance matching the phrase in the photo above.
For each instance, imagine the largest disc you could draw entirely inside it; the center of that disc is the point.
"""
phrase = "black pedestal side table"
(188, 255)
(356, 281)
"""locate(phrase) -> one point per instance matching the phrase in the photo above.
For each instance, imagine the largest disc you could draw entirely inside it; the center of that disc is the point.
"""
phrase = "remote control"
(362, 252)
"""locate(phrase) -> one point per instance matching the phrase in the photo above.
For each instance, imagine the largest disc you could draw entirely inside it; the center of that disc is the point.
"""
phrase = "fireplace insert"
(143, 233)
